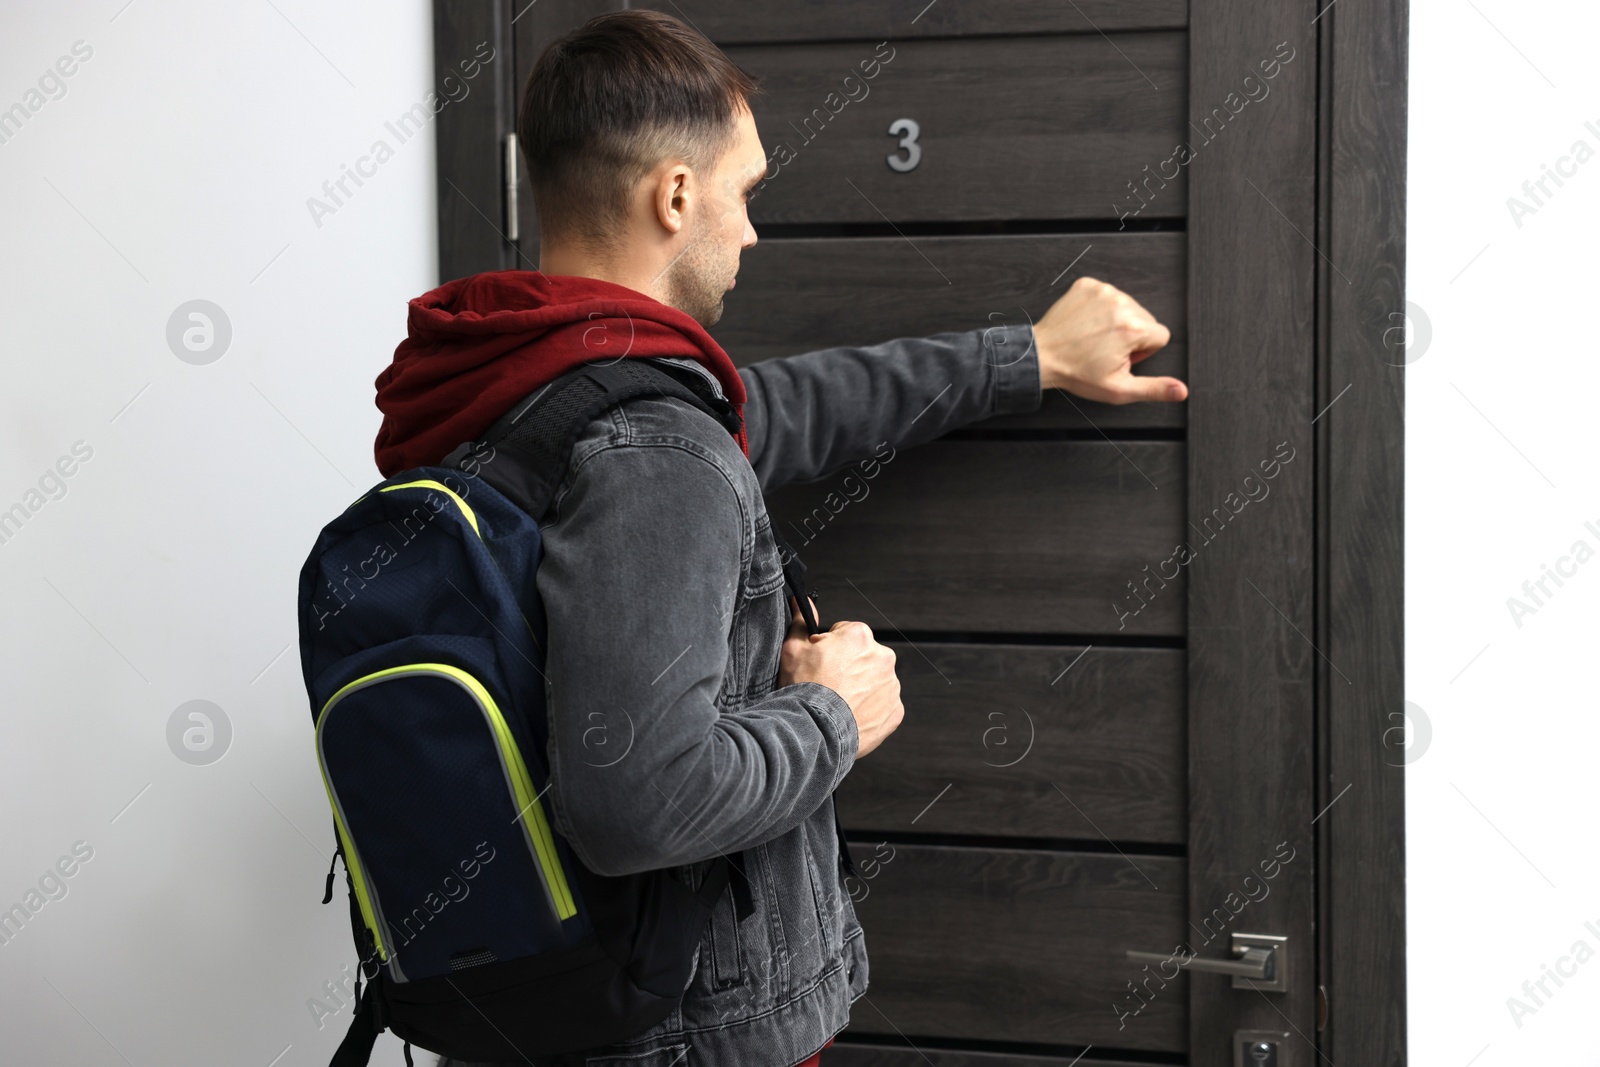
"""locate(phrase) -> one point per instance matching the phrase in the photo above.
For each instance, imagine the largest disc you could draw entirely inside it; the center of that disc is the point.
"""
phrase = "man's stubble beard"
(697, 280)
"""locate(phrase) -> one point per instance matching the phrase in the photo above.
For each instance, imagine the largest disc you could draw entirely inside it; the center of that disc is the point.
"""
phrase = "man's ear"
(674, 190)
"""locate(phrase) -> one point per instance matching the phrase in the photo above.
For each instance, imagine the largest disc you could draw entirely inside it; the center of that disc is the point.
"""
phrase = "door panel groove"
(786, 231)
(790, 23)
(915, 1050)
(1131, 849)
(1063, 640)
(1045, 433)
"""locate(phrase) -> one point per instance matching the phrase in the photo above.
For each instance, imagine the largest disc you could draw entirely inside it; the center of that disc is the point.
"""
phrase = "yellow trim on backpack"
(467, 512)
(429, 483)
(353, 864)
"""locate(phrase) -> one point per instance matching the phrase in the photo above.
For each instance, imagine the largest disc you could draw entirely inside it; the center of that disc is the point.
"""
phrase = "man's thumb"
(1165, 390)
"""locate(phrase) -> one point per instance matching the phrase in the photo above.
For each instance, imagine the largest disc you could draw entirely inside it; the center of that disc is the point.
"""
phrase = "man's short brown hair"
(610, 101)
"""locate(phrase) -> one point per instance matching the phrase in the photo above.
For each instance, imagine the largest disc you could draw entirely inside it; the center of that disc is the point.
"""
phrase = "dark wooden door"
(1110, 621)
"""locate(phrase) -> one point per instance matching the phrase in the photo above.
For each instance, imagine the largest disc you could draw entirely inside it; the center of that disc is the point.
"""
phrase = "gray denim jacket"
(670, 741)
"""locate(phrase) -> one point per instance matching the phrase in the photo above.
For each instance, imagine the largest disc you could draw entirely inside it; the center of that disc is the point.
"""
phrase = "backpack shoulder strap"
(538, 433)
(524, 455)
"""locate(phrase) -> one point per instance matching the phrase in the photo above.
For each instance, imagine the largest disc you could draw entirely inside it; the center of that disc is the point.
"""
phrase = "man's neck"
(637, 272)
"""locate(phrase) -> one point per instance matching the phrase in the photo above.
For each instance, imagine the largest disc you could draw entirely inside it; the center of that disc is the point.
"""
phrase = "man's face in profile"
(718, 227)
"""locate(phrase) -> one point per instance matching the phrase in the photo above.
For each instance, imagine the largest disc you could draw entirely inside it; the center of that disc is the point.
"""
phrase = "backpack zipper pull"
(327, 891)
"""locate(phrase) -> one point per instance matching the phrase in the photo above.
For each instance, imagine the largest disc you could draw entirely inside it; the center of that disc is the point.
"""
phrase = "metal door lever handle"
(1256, 963)
(1260, 962)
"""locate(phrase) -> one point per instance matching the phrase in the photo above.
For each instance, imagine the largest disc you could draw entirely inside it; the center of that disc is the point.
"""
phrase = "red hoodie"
(477, 345)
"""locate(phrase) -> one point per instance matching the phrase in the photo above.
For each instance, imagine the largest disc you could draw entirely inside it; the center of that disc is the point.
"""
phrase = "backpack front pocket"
(451, 856)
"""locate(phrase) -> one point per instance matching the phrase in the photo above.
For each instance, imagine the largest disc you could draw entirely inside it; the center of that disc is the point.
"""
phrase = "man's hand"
(1089, 341)
(848, 660)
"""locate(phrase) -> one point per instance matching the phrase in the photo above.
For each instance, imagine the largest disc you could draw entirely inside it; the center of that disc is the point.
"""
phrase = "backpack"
(481, 935)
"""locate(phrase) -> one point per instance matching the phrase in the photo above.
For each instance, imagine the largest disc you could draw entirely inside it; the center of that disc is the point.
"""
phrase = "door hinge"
(508, 170)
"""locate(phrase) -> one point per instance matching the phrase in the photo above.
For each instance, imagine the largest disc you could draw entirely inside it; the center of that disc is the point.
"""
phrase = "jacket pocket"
(723, 944)
(766, 567)
(821, 866)
(816, 941)
(762, 620)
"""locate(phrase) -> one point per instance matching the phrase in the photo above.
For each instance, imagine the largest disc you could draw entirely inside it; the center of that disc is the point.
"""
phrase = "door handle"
(1256, 963)
(1260, 961)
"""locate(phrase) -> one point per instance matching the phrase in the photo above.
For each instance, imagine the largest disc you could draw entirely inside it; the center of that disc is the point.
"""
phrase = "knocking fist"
(850, 661)
(1089, 341)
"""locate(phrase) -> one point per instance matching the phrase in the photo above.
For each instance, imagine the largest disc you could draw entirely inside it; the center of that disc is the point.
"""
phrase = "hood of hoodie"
(477, 345)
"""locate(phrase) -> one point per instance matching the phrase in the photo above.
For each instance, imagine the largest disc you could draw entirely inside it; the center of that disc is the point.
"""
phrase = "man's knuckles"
(856, 633)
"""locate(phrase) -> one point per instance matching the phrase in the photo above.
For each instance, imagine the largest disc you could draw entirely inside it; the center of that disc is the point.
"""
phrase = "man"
(691, 715)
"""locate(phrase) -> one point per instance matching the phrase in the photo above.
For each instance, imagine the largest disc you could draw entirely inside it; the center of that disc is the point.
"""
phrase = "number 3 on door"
(908, 131)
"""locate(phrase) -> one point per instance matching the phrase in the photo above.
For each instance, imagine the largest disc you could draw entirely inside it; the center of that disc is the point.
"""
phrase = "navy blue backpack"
(481, 935)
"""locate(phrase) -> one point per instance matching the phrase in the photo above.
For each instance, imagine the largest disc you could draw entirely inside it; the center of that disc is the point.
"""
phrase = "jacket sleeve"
(810, 414)
(640, 578)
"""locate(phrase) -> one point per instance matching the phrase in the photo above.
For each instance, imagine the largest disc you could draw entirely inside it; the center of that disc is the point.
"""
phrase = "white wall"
(177, 167)
(1503, 868)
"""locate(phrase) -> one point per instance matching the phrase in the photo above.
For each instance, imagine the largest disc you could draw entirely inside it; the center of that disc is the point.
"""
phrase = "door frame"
(1362, 343)
(1297, 312)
